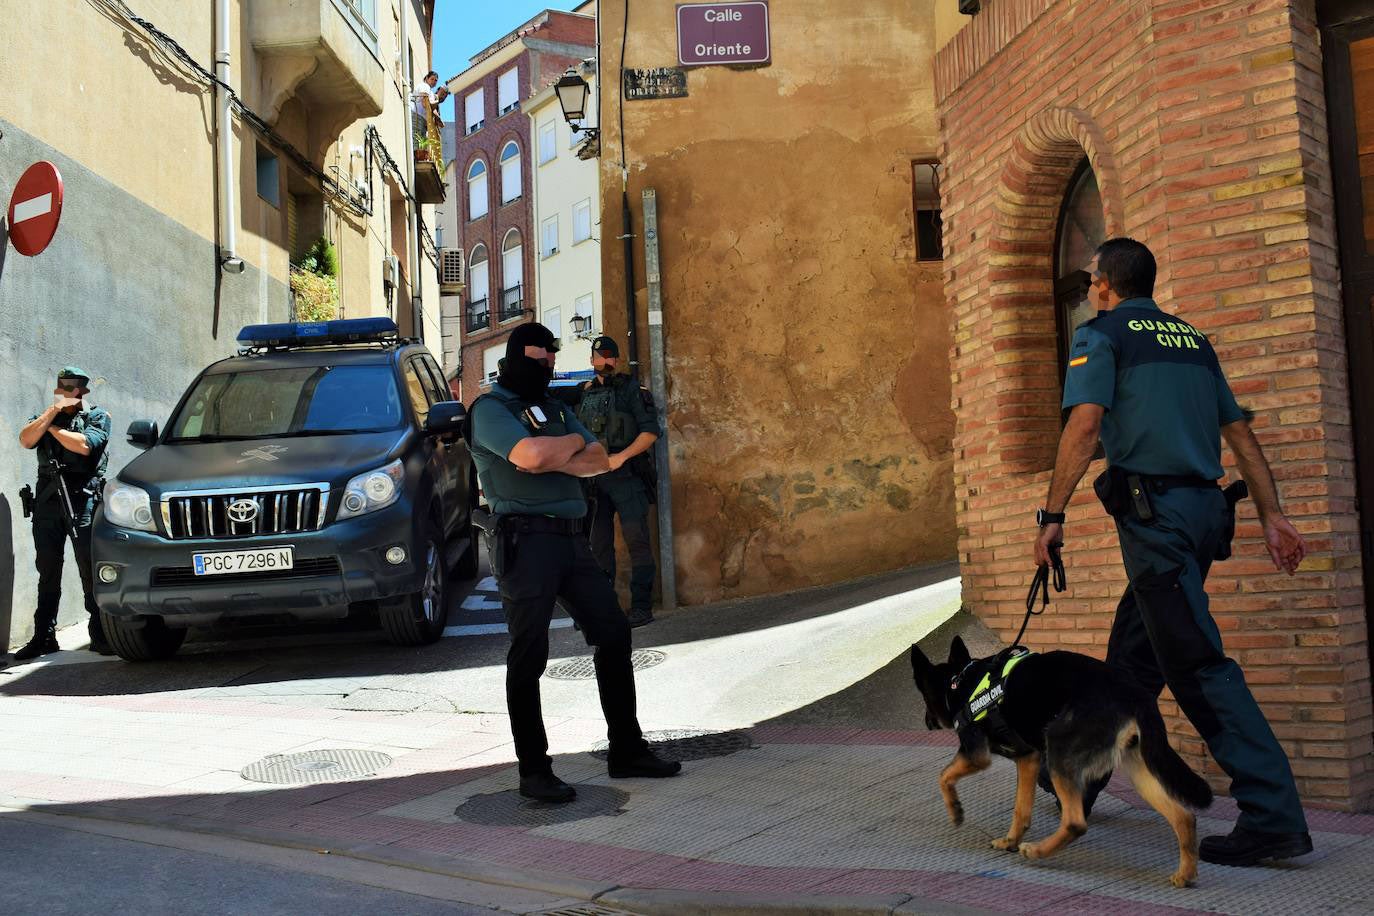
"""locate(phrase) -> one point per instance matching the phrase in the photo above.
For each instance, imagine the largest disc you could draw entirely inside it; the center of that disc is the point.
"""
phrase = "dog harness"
(984, 707)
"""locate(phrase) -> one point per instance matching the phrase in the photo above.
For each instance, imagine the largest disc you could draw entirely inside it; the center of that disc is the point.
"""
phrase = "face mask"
(528, 378)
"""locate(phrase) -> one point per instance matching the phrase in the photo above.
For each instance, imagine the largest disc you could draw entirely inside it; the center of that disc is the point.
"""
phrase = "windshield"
(277, 403)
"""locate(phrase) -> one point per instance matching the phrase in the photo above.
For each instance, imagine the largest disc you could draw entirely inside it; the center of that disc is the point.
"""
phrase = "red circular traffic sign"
(35, 208)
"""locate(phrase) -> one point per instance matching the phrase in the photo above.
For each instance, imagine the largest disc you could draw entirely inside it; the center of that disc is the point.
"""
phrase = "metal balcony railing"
(512, 303)
(478, 315)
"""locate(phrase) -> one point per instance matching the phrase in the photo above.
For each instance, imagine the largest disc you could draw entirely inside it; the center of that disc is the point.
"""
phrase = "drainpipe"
(413, 254)
(229, 260)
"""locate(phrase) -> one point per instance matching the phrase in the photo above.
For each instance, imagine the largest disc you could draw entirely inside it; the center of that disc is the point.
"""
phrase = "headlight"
(128, 507)
(372, 491)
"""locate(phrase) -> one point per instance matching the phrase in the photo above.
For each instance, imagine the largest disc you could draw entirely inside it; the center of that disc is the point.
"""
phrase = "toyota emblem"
(242, 511)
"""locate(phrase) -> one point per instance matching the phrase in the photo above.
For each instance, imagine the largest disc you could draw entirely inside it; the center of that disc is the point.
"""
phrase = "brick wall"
(1204, 121)
(562, 41)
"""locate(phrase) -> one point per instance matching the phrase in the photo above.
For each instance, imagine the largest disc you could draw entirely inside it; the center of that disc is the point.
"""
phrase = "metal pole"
(658, 384)
(627, 228)
(224, 128)
(413, 255)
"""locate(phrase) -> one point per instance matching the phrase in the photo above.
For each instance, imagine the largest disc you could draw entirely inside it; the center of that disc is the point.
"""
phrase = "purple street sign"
(722, 33)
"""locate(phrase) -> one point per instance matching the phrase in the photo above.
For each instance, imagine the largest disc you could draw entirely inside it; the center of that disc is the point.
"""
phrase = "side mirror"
(446, 417)
(143, 434)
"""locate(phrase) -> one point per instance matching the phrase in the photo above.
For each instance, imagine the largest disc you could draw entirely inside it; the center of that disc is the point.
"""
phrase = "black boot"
(640, 617)
(646, 765)
(98, 641)
(43, 642)
(546, 787)
(1243, 847)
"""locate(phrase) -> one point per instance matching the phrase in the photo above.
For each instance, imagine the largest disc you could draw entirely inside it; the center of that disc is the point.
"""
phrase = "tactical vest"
(601, 413)
(984, 707)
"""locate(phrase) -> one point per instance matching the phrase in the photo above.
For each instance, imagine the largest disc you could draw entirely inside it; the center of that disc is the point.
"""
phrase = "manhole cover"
(510, 809)
(583, 667)
(685, 744)
(315, 766)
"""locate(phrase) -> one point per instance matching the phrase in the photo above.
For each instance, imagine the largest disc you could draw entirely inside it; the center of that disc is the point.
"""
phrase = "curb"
(645, 901)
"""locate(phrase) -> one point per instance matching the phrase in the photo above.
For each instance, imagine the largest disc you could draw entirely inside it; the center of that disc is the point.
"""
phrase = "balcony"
(512, 303)
(478, 315)
(429, 181)
(323, 52)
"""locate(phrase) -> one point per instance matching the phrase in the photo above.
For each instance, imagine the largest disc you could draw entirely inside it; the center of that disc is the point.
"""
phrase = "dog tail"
(1159, 758)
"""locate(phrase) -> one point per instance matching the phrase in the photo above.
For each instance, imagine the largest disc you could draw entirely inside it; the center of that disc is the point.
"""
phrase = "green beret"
(74, 372)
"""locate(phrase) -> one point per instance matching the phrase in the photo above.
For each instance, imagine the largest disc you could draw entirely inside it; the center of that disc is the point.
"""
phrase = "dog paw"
(956, 814)
(1179, 879)
(1029, 851)
(1005, 843)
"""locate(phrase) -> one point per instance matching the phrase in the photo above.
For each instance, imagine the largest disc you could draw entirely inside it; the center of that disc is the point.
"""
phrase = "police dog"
(1086, 720)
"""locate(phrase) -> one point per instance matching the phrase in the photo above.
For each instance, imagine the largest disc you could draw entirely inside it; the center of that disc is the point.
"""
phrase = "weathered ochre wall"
(807, 350)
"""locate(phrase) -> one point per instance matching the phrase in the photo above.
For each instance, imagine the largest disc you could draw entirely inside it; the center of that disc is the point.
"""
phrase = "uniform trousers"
(626, 498)
(50, 537)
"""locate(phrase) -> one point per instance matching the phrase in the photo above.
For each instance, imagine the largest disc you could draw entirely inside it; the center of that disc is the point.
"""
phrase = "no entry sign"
(35, 208)
(722, 33)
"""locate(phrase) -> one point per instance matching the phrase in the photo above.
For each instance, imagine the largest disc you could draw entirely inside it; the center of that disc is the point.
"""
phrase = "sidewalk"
(814, 810)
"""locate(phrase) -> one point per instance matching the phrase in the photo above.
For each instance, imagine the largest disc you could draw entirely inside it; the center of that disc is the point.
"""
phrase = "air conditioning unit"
(450, 271)
(391, 267)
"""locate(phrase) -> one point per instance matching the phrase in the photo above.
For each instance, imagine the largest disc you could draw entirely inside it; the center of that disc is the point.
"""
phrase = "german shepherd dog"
(1086, 720)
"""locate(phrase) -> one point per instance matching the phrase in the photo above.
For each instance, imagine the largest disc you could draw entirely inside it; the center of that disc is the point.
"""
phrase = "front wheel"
(142, 639)
(418, 619)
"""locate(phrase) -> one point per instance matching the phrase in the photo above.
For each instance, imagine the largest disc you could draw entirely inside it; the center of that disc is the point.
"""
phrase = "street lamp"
(573, 93)
(581, 324)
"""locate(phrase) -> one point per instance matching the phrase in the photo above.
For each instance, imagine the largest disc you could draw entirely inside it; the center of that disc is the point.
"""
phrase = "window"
(583, 307)
(508, 91)
(548, 142)
(475, 108)
(582, 221)
(269, 176)
(438, 385)
(491, 363)
(553, 320)
(416, 382)
(925, 192)
(510, 172)
(1082, 227)
(548, 237)
(289, 402)
(479, 281)
(365, 14)
(512, 276)
(477, 190)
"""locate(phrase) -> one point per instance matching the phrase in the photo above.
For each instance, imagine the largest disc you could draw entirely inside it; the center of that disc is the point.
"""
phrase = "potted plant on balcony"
(429, 149)
(314, 283)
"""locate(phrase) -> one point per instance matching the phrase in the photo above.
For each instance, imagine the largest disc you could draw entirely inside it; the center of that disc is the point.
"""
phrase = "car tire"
(141, 639)
(418, 619)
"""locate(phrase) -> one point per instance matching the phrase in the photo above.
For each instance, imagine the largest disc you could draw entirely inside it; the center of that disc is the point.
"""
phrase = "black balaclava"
(528, 378)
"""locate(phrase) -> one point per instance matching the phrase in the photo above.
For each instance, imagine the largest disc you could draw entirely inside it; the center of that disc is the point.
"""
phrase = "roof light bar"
(318, 333)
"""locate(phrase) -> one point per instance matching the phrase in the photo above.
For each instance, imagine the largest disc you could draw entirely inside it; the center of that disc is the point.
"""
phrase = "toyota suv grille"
(244, 513)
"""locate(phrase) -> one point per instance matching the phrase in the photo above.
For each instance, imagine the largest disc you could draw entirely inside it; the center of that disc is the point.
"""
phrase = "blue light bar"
(318, 333)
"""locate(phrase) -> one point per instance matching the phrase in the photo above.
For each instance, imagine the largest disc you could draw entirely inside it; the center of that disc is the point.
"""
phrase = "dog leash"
(1040, 586)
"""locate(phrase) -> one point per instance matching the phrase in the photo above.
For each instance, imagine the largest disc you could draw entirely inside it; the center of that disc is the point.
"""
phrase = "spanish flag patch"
(1078, 361)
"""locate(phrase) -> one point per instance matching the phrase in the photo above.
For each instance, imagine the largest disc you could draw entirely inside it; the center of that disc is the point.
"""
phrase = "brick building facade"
(1204, 125)
(493, 216)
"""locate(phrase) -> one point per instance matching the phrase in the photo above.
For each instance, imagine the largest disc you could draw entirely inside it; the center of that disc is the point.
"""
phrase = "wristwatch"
(1043, 518)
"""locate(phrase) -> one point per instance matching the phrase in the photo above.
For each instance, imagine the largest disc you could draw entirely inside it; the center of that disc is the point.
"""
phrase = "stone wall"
(1204, 121)
(807, 348)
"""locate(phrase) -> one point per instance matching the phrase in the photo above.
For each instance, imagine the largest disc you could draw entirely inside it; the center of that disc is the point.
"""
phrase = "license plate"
(241, 561)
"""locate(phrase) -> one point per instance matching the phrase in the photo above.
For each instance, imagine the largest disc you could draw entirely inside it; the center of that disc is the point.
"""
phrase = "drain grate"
(510, 809)
(687, 744)
(583, 667)
(315, 766)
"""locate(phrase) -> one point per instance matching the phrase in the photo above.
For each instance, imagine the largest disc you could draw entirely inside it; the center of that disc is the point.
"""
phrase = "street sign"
(657, 83)
(723, 33)
(35, 208)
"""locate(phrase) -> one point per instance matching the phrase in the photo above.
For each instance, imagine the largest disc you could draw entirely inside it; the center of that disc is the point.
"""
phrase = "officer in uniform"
(1150, 387)
(70, 438)
(614, 408)
(531, 452)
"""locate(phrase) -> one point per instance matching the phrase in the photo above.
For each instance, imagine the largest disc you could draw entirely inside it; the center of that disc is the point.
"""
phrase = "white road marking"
(488, 585)
(488, 629)
(481, 603)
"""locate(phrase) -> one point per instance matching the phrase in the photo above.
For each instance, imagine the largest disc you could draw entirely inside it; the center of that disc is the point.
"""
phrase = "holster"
(26, 500)
(1234, 494)
(1123, 491)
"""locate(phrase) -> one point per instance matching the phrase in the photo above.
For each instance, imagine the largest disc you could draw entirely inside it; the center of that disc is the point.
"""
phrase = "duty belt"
(1161, 482)
(542, 524)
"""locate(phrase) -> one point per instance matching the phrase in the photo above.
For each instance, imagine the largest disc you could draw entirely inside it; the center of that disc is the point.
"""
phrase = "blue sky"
(464, 27)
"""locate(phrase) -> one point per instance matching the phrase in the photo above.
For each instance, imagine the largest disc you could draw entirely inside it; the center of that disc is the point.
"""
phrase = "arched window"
(477, 190)
(479, 290)
(1082, 227)
(512, 275)
(510, 172)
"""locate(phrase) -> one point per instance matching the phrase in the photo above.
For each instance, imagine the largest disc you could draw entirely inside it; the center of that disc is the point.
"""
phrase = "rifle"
(64, 496)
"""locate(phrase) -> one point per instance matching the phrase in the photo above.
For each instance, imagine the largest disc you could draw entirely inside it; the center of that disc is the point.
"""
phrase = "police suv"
(318, 471)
